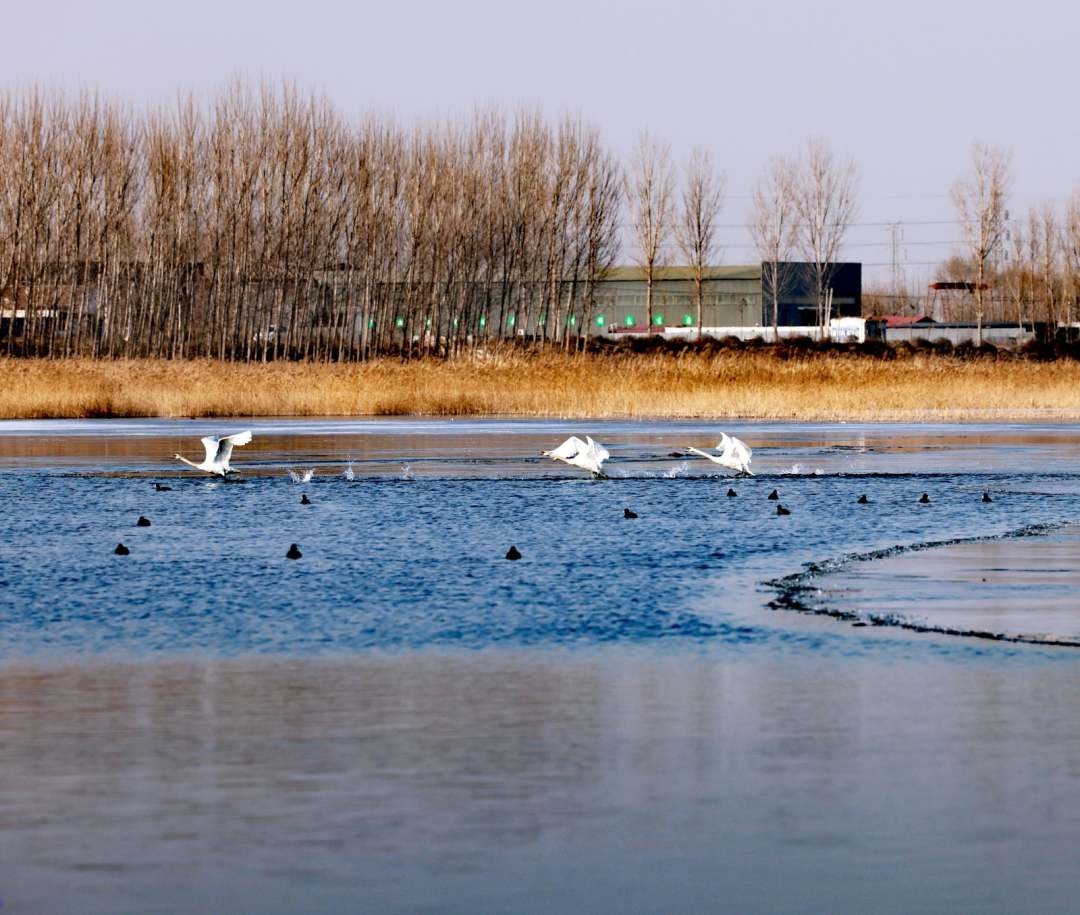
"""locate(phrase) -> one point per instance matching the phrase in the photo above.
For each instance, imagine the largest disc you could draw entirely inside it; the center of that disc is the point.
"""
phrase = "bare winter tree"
(980, 202)
(1044, 220)
(1070, 247)
(649, 192)
(1017, 275)
(267, 226)
(695, 230)
(826, 203)
(601, 233)
(773, 227)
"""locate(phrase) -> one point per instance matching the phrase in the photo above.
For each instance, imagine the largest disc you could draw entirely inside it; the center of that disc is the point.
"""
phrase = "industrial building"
(733, 299)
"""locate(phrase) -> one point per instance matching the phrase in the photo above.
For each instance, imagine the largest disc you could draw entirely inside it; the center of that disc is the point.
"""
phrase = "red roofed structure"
(906, 320)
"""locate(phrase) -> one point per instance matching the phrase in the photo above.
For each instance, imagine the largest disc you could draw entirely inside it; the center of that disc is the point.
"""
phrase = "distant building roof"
(634, 273)
(905, 320)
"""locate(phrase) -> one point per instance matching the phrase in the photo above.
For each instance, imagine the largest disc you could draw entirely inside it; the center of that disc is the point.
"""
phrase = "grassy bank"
(751, 384)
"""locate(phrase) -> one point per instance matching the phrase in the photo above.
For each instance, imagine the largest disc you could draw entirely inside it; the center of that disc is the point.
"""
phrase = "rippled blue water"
(391, 563)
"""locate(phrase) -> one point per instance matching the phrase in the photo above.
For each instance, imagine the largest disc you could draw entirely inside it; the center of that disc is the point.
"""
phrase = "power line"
(850, 225)
(876, 244)
(869, 225)
(845, 245)
(895, 234)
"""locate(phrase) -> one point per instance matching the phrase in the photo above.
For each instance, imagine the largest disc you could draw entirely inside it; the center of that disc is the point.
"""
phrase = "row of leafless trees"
(650, 191)
(265, 225)
(803, 206)
(1022, 270)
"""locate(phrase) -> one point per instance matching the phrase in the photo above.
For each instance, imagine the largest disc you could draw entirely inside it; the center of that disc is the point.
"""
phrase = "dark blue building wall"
(798, 304)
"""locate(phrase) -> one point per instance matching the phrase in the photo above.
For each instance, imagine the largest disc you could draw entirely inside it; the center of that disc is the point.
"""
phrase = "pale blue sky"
(904, 88)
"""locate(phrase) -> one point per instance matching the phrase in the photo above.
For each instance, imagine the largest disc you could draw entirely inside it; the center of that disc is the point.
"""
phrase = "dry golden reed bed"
(755, 384)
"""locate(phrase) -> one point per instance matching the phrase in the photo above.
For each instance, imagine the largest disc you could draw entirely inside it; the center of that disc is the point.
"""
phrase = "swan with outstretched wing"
(218, 452)
(588, 455)
(734, 454)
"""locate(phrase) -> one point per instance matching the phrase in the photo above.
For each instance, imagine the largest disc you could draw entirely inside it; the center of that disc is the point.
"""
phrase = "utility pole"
(896, 236)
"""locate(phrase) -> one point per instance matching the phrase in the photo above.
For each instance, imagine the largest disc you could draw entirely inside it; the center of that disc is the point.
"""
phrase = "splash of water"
(798, 470)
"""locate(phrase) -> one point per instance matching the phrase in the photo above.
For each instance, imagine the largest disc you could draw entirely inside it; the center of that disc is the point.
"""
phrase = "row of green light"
(571, 320)
(631, 321)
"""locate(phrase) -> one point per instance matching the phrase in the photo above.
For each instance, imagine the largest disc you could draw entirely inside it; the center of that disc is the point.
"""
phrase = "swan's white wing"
(736, 455)
(733, 452)
(585, 461)
(567, 449)
(239, 438)
(218, 449)
(211, 443)
(598, 452)
(741, 450)
(224, 452)
(225, 446)
(576, 460)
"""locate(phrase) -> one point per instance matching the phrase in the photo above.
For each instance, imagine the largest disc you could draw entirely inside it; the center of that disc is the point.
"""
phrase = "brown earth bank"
(764, 383)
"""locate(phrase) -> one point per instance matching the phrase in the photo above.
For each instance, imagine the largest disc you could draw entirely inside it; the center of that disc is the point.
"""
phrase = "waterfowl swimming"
(142, 522)
(294, 552)
(734, 454)
(774, 495)
(780, 510)
(731, 493)
(121, 550)
(862, 500)
(161, 487)
(513, 553)
(924, 499)
(587, 455)
(629, 513)
(304, 500)
(986, 497)
(218, 451)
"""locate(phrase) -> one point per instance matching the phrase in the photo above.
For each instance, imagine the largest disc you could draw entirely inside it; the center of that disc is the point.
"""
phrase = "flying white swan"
(734, 454)
(304, 477)
(587, 455)
(218, 451)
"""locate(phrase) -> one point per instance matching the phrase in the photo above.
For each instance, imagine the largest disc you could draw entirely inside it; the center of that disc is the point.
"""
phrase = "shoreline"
(972, 418)
(727, 385)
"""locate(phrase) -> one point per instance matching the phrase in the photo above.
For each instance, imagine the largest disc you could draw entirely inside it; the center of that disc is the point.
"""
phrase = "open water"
(639, 715)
